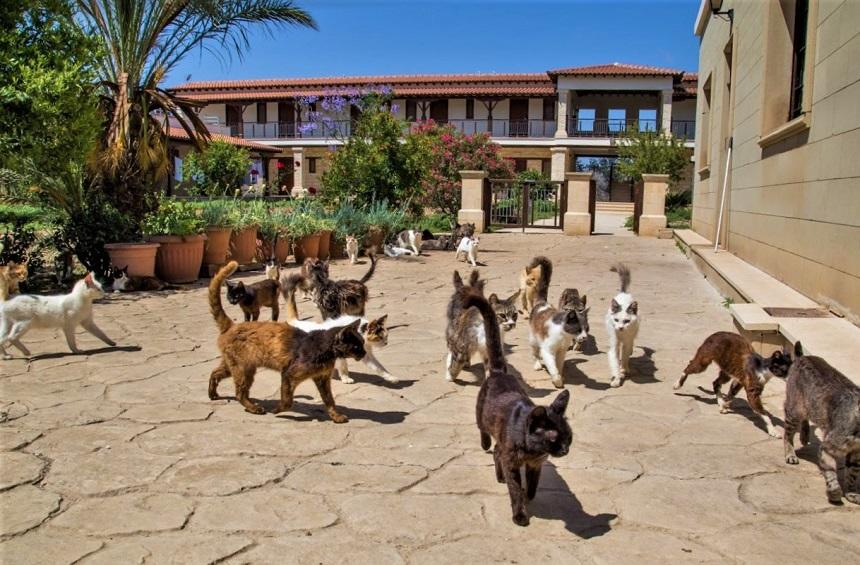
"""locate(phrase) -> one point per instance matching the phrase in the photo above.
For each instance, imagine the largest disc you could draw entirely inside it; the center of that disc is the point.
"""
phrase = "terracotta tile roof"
(181, 135)
(617, 69)
(688, 86)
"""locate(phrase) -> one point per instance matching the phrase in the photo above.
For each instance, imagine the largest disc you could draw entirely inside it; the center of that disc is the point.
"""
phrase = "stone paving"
(118, 456)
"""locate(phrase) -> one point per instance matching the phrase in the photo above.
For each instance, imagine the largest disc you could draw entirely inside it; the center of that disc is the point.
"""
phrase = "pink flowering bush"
(447, 151)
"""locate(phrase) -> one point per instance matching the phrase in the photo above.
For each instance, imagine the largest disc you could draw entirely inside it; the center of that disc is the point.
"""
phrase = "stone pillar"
(472, 199)
(577, 218)
(299, 172)
(558, 163)
(561, 112)
(653, 218)
(666, 110)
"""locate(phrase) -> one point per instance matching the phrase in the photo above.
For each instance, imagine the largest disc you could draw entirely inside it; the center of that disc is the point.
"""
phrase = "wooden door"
(233, 115)
(439, 111)
(519, 117)
(286, 119)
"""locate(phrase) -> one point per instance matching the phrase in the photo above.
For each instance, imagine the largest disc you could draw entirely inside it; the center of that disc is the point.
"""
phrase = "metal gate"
(513, 203)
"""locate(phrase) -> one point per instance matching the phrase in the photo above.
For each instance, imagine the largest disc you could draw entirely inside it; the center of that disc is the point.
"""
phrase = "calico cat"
(392, 251)
(251, 298)
(296, 354)
(622, 325)
(468, 246)
(26, 311)
(123, 282)
(816, 392)
(374, 333)
(11, 276)
(551, 330)
(524, 434)
(465, 334)
(409, 239)
(741, 365)
(352, 249)
(273, 270)
(337, 298)
(528, 281)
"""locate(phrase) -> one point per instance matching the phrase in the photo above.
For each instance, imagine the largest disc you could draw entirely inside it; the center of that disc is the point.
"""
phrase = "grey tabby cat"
(816, 392)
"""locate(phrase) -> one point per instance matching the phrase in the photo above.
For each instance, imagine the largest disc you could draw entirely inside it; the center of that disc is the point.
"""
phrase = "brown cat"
(529, 277)
(253, 297)
(10, 276)
(524, 434)
(744, 367)
(296, 354)
(337, 298)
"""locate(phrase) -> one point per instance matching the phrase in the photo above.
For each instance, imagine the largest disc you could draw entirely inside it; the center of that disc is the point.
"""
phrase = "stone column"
(653, 218)
(561, 112)
(577, 218)
(666, 110)
(298, 172)
(558, 163)
(472, 199)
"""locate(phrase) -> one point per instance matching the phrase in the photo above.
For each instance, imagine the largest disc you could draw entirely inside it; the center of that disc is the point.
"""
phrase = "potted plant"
(178, 228)
(381, 221)
(326, 226)
(348, 220)
(217, 216)
(274, 232)
(246, 221)
(304, 231)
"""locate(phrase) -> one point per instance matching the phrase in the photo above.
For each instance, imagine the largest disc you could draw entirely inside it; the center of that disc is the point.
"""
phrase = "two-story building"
(555, 121)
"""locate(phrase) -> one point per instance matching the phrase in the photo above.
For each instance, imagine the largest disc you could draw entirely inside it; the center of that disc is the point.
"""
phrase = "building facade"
(554, 122)
(779, 127)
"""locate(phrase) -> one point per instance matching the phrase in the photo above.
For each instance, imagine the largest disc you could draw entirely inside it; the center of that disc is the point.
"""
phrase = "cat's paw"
(835, 496)
(615, 382)
(774, 431)
(338, 418)
(258, 410)
(853, 497)
(678, 384)
(521, 519)
(449, 377)
(390, 379)
(538, 365)
(791, 459)
(7, 356)
(558, 382)
(346, 379)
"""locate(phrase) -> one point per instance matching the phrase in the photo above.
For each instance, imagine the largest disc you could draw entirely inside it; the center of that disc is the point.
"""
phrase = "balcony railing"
(603, 127)
(292, 130)
(507, 128)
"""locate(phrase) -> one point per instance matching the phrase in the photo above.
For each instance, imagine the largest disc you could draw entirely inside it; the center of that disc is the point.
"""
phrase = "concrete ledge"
(691, 238)
(752, 317)
(577, 223)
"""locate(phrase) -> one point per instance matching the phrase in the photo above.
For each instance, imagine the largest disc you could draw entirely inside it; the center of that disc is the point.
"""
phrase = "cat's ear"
(615, 307)
(633, 308)
(512, 298)
(458, 280)
(90, 280)
(584, 300)
(381, 320)
(559, 405)
(493, 299)
(124, 270)
(798, 349)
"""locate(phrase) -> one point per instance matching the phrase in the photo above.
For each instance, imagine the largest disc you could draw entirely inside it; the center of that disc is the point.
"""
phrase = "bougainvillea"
(449, 151)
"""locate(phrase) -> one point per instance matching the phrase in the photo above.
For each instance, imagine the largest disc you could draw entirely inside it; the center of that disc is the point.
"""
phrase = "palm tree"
(140, 42)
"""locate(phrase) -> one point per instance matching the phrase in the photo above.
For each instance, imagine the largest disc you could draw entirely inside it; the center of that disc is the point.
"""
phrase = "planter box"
(179, 258)
(138, 257)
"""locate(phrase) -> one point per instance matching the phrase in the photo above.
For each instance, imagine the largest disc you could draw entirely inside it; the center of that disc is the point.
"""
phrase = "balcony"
(291, 130)
(603, 127)
(507, 128)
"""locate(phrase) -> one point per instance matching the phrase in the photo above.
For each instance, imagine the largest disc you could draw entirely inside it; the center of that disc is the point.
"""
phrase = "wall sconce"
(716, 10)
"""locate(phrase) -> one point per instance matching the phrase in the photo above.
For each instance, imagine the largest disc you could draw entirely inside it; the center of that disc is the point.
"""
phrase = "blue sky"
(361, 37)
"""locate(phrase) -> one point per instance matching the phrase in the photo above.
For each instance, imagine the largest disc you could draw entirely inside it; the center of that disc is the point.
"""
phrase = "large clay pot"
(243, 245)
(325, 244)
(138, 257)
(307, 246)
(281, 249)
(217, 246)
(337, 248)
(179, 258)
(374, 239)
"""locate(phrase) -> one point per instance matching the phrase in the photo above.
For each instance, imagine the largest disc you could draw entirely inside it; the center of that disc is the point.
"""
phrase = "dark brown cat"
(816, 392)
(744, 367)
(297, 355)
(524, 434)
(251, 298)
(337, 298)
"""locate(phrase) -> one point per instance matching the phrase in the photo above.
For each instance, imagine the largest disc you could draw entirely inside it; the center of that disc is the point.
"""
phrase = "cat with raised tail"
(525, 435)
(552, 330)
(24, 312)
(622, 325)
(816, 392)
(352, 249)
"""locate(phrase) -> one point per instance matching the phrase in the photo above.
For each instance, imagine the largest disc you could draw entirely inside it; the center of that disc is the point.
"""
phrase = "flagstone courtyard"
(118, 456)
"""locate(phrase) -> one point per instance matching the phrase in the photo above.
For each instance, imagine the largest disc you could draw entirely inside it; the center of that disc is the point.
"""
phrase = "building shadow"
(555, 501)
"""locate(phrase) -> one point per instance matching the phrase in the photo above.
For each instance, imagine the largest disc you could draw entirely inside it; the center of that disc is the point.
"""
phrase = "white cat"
(25, 312)
(352, 249)
(410, 239)
(469, 247)
(392, 251)
(622, 325)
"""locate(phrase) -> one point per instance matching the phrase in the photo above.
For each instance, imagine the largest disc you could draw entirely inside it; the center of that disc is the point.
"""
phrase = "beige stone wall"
(793, 208)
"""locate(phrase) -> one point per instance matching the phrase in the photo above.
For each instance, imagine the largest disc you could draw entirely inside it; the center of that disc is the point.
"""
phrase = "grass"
(676, 218)
(436, 222)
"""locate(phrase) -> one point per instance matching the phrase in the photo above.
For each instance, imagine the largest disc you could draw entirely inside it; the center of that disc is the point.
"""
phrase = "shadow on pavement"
(552, 503)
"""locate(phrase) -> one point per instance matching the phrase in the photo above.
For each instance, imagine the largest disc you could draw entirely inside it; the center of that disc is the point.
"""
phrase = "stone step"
(619, 207)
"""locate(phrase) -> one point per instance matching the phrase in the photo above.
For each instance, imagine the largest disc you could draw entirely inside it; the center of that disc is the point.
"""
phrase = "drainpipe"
(723, 199)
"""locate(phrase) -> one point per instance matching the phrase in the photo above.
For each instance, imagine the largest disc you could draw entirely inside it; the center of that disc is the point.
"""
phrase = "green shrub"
(349, 220)
(173, 217)
(216, 212)
(437, 222)
(218, 170)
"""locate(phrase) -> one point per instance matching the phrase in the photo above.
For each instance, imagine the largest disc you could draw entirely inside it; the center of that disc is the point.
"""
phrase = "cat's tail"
(370, 271)
(474, 296)
(542, 286)
(288, 289)
(623, 274)
(222, 320)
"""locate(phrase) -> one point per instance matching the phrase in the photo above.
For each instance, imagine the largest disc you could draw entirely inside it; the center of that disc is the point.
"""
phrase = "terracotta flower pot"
(139, 257)
(282, 249)
(337, 248)
(374, 239)
(307, 246)
(179, 257)
(217, 246)
(325, 244)
(243, 245)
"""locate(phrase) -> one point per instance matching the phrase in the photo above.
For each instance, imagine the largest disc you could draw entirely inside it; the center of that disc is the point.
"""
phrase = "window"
(470, 108)
(585, 119)
(801, 19)
(549, 109)
(617, 120)
(312, 165)
(261, 113)
(647, 120)
(520, 165)
(546, 167)
(705, 139)
(411, 111)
